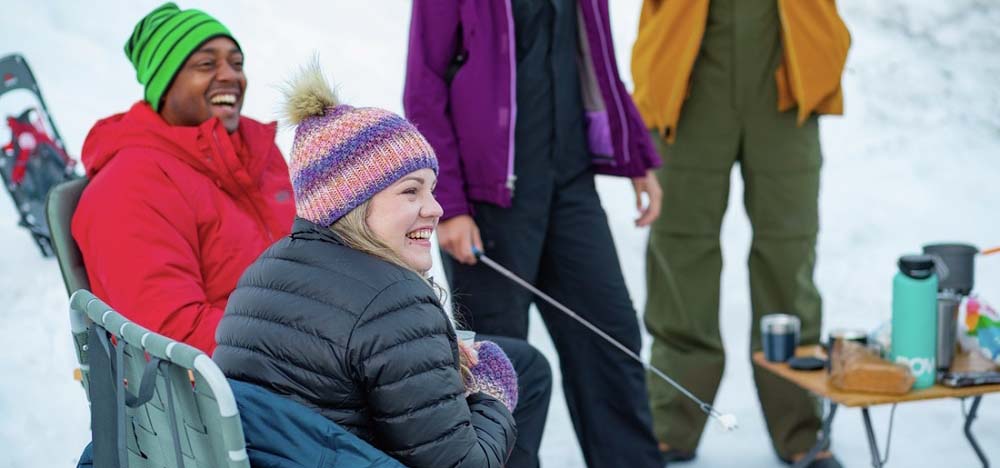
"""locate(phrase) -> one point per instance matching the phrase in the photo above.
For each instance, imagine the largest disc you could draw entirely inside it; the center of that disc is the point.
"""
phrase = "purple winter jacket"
(470, 121)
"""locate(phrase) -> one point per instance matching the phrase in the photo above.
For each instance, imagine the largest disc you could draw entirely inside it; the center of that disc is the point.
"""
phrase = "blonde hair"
(353, 230)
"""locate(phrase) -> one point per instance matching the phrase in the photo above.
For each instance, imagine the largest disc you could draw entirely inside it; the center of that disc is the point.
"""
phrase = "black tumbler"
(780, 336)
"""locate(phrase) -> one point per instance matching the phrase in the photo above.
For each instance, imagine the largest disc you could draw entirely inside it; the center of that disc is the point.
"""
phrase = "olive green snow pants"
(731, 117)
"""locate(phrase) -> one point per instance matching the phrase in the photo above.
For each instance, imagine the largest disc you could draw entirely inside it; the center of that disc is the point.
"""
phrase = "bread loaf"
(854, 368)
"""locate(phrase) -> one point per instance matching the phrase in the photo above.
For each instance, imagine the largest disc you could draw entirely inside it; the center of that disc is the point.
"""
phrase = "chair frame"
(204, 425)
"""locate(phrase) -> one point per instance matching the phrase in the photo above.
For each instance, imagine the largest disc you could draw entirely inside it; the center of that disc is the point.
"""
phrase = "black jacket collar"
(305, 229)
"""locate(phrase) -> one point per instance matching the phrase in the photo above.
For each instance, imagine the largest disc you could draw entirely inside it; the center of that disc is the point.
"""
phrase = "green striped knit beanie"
(162, 42)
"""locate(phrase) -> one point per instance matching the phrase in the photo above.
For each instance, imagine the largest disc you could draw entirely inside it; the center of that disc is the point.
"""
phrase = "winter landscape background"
(914, 160)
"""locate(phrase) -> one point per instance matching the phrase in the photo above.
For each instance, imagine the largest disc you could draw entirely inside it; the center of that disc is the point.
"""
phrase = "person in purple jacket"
(523, 105)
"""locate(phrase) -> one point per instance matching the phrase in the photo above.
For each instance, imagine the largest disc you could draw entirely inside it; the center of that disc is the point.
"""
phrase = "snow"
(914, 160)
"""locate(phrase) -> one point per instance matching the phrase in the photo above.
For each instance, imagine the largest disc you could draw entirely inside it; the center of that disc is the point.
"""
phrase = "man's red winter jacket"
(173, 215)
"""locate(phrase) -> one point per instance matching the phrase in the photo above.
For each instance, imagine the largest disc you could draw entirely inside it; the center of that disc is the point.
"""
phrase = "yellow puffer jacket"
(815, 43)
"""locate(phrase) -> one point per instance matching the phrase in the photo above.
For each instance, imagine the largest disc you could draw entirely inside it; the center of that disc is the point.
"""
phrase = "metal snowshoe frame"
(47, 166)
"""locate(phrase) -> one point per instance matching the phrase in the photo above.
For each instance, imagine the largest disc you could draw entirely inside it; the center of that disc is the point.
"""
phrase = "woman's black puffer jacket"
(363, 342)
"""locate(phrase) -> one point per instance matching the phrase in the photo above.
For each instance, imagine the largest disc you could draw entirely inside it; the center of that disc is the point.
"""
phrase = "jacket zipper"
(612, 82)
(511, 178)
(256, 211)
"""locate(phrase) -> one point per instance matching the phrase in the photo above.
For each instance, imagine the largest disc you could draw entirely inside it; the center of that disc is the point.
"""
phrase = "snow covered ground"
(914, 160)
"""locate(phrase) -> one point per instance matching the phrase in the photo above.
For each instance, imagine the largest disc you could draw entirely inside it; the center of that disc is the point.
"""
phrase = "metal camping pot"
(955, 265)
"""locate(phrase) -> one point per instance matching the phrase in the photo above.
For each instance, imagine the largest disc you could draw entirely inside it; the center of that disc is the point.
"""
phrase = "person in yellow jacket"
(722, 82)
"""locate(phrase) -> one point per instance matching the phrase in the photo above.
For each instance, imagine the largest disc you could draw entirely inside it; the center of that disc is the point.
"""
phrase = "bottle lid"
(916, 266)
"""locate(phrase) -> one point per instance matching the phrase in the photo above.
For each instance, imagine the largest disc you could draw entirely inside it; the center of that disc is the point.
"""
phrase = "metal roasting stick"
(728, 421)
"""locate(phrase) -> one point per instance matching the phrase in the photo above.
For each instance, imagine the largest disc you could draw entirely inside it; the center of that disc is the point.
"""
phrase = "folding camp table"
(817, 382)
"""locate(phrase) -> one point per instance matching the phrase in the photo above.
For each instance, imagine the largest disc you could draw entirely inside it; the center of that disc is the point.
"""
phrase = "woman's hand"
(469, 355)
(493, 374)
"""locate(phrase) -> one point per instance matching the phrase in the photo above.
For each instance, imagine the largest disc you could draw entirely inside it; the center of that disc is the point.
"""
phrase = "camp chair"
(59, 208)
(155, 402)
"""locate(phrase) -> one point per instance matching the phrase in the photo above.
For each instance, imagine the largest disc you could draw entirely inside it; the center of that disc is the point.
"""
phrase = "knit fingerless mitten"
(494, 375)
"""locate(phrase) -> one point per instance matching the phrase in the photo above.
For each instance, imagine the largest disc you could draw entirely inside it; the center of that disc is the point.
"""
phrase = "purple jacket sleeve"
(434, 30)
(641, 147)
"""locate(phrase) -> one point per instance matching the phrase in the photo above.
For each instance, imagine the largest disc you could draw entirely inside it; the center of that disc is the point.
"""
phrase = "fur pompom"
(308, 94)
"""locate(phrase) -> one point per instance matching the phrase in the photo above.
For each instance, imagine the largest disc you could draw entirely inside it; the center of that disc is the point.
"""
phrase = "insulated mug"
(779, 336)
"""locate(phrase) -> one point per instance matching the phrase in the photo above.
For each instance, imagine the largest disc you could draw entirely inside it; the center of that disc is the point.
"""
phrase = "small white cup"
(468, 337)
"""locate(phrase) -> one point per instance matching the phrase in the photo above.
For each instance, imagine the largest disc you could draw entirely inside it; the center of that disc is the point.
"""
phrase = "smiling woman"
(341, 317)
(396, 224)
(404, 216)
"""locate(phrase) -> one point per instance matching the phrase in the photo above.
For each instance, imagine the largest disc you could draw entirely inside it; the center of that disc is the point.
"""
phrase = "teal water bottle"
(914, 318)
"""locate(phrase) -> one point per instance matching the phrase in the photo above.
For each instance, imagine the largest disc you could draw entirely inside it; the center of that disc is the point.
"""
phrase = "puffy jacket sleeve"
(407, 362)
(139, 242)
(434, 42)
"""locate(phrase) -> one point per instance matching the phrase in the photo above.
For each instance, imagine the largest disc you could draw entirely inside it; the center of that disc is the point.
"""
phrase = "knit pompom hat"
(162, 41)
(342, 155)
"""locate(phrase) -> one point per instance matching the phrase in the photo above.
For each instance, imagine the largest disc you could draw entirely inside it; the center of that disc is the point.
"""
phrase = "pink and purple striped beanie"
(342, 155)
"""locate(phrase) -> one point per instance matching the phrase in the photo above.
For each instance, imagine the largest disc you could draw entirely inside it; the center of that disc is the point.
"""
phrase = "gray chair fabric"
(59, 209)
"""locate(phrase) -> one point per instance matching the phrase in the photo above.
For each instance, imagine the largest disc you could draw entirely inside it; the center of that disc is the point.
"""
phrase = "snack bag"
(982, 322)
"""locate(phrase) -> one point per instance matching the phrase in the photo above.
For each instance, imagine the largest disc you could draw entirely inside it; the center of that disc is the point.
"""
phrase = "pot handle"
(990, 251)
(941, 267)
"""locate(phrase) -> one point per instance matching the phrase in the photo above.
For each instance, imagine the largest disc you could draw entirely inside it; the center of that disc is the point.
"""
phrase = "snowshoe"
(35, 159)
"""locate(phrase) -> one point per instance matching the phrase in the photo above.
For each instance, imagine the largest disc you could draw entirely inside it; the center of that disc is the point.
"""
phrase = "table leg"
(968, 431)
(872, 443)
(823, 442)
